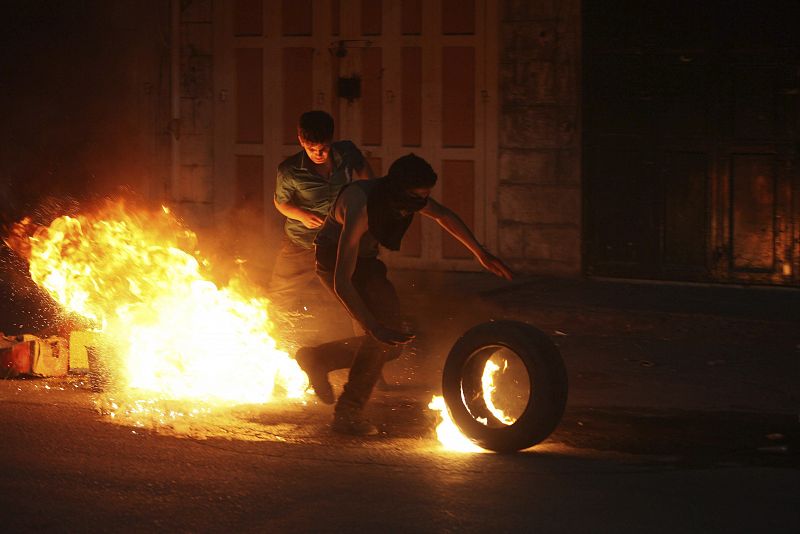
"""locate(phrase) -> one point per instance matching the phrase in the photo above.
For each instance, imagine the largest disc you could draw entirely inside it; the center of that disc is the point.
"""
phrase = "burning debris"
(448, 433)
(480, 360)
(136, 280)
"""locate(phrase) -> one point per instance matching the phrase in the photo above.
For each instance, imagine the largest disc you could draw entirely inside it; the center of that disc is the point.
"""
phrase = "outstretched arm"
(450, 221)
(354, 226)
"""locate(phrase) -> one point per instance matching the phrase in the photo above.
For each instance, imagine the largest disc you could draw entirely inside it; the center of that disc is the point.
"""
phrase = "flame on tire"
(448, 433)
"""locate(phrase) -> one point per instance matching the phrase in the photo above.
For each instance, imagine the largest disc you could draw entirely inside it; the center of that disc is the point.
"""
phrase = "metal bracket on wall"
(349, 88)
(339, 48)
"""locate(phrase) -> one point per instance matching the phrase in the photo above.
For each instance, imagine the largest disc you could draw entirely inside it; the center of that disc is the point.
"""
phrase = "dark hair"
(411, 171)
(315, 126)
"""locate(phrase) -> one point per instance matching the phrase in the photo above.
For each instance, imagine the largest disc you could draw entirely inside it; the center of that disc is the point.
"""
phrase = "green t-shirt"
(298, 184)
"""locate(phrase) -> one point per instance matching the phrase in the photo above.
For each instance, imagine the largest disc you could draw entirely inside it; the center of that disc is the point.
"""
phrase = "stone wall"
(539, 193)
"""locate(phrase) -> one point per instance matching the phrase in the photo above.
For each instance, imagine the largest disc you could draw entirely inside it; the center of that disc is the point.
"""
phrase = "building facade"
(487, 91)
(633, 139)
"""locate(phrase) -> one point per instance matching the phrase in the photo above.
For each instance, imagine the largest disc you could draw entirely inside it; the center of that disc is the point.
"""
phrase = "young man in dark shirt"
(365, 215)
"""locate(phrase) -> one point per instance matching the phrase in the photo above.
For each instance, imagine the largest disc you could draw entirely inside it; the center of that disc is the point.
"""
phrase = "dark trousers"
(364, 355)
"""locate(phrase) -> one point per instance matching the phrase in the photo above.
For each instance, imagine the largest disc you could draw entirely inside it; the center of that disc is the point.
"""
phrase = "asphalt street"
(682, 416)
(67, 468)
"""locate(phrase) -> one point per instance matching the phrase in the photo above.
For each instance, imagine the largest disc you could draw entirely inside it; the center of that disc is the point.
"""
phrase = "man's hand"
(311, 220)
(389, 336)
(452, 223)
(495, 265)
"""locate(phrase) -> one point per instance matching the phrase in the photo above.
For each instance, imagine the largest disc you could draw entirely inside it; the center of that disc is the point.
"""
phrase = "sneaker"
(317, 376)
(353, 423)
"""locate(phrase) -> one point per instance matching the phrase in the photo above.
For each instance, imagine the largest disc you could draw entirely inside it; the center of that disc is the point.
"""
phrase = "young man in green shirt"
(306, 186)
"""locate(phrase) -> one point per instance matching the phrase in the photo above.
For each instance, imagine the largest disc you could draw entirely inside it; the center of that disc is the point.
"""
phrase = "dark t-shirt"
(385, 226)
(299, 184)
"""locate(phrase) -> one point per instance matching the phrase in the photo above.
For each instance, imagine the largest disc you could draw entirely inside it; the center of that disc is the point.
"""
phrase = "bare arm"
(451, 222)
(354, 226)
(287, 209)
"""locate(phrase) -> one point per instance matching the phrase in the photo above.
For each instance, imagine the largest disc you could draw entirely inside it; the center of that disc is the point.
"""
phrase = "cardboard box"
(49, 356)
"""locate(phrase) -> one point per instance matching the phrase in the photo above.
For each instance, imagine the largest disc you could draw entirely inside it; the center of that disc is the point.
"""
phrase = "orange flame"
(175, 335)
(487, 384)
(448, 433)
(450, 436)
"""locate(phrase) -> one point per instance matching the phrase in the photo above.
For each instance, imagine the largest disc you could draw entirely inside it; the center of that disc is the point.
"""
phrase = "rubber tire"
(548, 385)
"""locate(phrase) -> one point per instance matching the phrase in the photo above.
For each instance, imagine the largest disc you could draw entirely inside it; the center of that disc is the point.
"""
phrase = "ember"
(173, 334)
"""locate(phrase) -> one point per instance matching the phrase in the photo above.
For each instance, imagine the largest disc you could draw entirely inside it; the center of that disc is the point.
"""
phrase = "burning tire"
(538, 387)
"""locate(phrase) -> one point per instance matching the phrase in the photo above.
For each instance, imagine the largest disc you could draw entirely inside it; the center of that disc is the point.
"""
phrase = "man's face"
(412, 200)
(317, 152)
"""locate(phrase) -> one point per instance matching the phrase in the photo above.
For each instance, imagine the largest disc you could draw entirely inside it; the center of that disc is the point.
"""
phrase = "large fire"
(172, 332)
